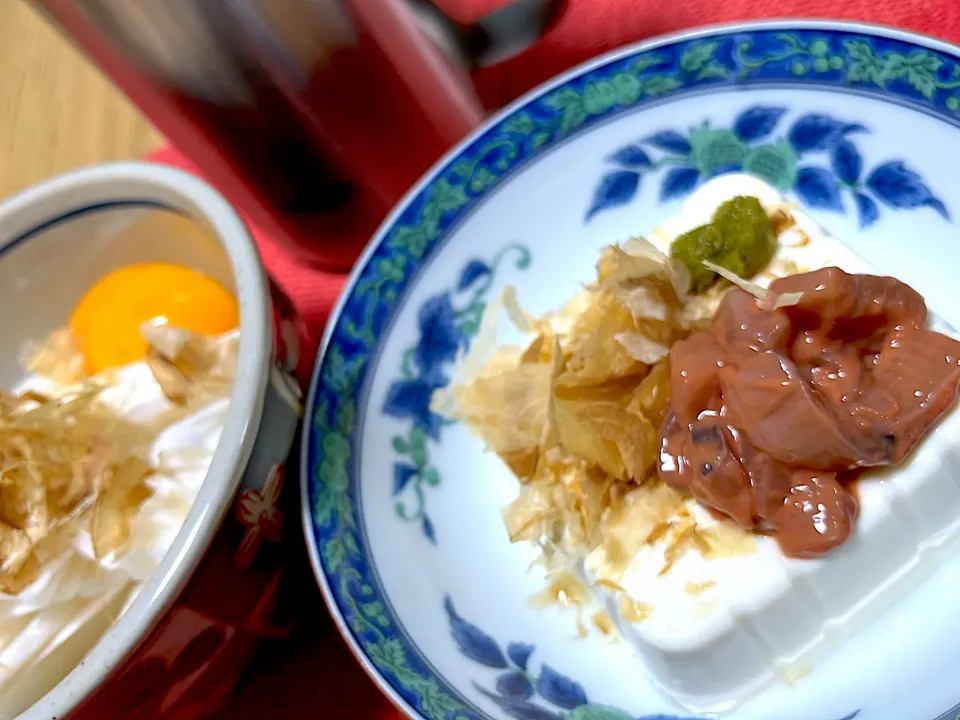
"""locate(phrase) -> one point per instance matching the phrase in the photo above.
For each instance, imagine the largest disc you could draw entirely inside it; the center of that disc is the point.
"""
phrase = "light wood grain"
(57, 111)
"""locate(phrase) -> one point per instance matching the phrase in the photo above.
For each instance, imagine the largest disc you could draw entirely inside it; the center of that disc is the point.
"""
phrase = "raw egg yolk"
(106, 322)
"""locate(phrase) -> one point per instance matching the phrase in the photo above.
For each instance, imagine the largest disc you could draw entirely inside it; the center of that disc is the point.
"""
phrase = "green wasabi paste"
(740, 238)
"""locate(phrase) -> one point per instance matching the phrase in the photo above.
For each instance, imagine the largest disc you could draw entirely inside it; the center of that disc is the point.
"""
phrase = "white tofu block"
(763, 615)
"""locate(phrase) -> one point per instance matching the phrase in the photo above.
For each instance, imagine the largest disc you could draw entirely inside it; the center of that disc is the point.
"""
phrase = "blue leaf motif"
(410, 399)
(903, 189)
(851, 716)
(427, 526)
(520, 654)
(631, 156)
(667, 717)
(846, 162)
(757, 122)
(515, 685)
(559, 689)
(472, 271)
(818, 132)
(866, 209)
(615, 189)
(440, 338)
(678, 182)
(818, 189)
(671, 141)
(520, 709)
(402, 473)
(473, 642)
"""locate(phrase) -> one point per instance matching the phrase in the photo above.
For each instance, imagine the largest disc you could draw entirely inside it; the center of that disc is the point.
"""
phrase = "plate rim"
(878, 30)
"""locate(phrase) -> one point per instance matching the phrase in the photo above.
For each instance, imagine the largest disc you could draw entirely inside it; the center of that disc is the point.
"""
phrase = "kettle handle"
(496, 37)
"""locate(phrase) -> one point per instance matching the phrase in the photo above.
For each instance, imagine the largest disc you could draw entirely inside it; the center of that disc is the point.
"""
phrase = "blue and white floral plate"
(402, 508)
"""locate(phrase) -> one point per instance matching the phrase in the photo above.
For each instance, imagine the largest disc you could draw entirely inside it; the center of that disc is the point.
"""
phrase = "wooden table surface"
(57, 112)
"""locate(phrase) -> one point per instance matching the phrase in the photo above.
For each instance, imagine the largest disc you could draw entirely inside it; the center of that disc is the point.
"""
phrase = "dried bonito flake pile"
(71, 461)
(575, 411)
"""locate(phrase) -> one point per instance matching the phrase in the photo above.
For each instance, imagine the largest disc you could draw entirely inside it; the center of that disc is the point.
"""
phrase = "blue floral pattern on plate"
(785, 162)
(911, 72)
(525, 695)
(444, 331)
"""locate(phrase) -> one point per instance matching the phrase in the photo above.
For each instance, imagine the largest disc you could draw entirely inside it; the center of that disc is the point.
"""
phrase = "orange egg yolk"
(106, 323)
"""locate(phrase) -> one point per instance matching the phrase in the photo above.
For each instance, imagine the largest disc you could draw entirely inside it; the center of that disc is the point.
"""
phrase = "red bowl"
(196, 654)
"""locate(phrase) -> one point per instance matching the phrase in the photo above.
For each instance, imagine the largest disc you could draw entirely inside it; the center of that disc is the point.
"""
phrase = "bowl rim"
(386, 686)
(143, 184)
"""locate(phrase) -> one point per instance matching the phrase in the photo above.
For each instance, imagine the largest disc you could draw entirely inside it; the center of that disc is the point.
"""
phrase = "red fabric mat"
(589, 27)
(312, 674)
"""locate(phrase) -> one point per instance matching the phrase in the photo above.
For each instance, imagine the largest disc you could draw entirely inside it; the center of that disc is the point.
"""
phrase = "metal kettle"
(313, 116)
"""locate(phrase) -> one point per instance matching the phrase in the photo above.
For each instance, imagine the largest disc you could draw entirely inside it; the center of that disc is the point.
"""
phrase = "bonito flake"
(575, 409)
(60, 458)
(70, 460)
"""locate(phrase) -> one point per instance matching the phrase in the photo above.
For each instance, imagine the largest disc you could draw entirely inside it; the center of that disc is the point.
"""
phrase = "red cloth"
(590, 27)
(586, 28)
(319, 672)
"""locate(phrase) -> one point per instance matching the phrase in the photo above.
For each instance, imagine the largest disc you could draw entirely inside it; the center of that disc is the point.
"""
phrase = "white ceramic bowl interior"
(56, 240)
